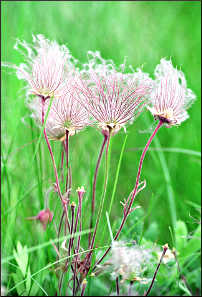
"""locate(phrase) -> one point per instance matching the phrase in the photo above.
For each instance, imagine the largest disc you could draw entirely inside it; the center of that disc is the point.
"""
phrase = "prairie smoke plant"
(66, 114)
(65, 117)
(170, 97)
(47, 66)
(111, 99)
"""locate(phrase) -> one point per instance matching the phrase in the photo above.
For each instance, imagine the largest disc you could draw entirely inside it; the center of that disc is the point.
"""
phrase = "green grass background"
(144, 32)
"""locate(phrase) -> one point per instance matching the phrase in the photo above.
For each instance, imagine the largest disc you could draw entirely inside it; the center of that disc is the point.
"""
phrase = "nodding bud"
(44, 216)
(80, 192)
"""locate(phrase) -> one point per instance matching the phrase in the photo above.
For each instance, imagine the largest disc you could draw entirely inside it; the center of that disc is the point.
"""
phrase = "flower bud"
(44, 216)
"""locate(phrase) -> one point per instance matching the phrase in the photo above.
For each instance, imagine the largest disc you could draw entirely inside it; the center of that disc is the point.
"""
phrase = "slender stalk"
(73, 205)
(183, 278)
(94, 185)
(62, 161)
(60, 226)
(127, 211)
(70, 245)
(117, 286)
(115, 184)
(67, 158)
(83, 287)
(80, 227)
(102, 201)
(66, 218)
(80, 194)
(51, 152)
(165, 247)
(77, 219)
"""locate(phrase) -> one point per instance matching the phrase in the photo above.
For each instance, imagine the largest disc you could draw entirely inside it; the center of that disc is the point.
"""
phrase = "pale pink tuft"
(66, 114)
(111, 97)
(47, 66)
(170, 97)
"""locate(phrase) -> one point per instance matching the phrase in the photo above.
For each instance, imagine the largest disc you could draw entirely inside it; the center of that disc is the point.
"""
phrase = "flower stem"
(117, 286)
(102, 201)
(127, 211)
(79, 212)
(165, 247)
(62, 160)
(51, 152)
(67, 158)
(94, 185)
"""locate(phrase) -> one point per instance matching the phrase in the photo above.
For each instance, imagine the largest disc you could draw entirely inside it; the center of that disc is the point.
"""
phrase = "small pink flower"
(47, 66)
(44, 216)
(170, 97)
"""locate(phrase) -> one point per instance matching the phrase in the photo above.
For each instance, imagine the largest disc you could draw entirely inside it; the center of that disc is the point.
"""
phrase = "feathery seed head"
(65, 114)
(170, 97)
(112, 100)
(47, 66)
(130, 262)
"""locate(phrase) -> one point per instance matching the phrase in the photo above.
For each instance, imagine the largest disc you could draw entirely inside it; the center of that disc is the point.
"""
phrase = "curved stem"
(127, 212)
(51, 152)
(67, 158)
(62, 160)
(94, 185)
(165, 247)
(102, 201)
(59, 229)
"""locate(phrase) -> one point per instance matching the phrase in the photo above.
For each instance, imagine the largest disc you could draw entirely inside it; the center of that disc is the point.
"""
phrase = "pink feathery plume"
(112, 99)
(47, 66)
(170, 97)
(66, 114)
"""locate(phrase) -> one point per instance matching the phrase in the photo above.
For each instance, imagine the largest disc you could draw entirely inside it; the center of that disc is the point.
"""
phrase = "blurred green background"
(144, 32)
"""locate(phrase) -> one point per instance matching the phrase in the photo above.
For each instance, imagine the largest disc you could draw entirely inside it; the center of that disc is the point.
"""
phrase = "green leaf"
(152, 232)
(28, 281)
(180, 235)
(21, 257)
(185, 289)
(193, 245)
(34, 289)
(17, 277)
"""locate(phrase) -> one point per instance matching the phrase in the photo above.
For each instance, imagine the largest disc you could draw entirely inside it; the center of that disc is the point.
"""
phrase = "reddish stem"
(50, 150)
(72, 226)
(165, 247)
(67, 158)
(94, 185)
(78, 243)
(102, 202)
(117, 286)
(127, 212)
(62, 161)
